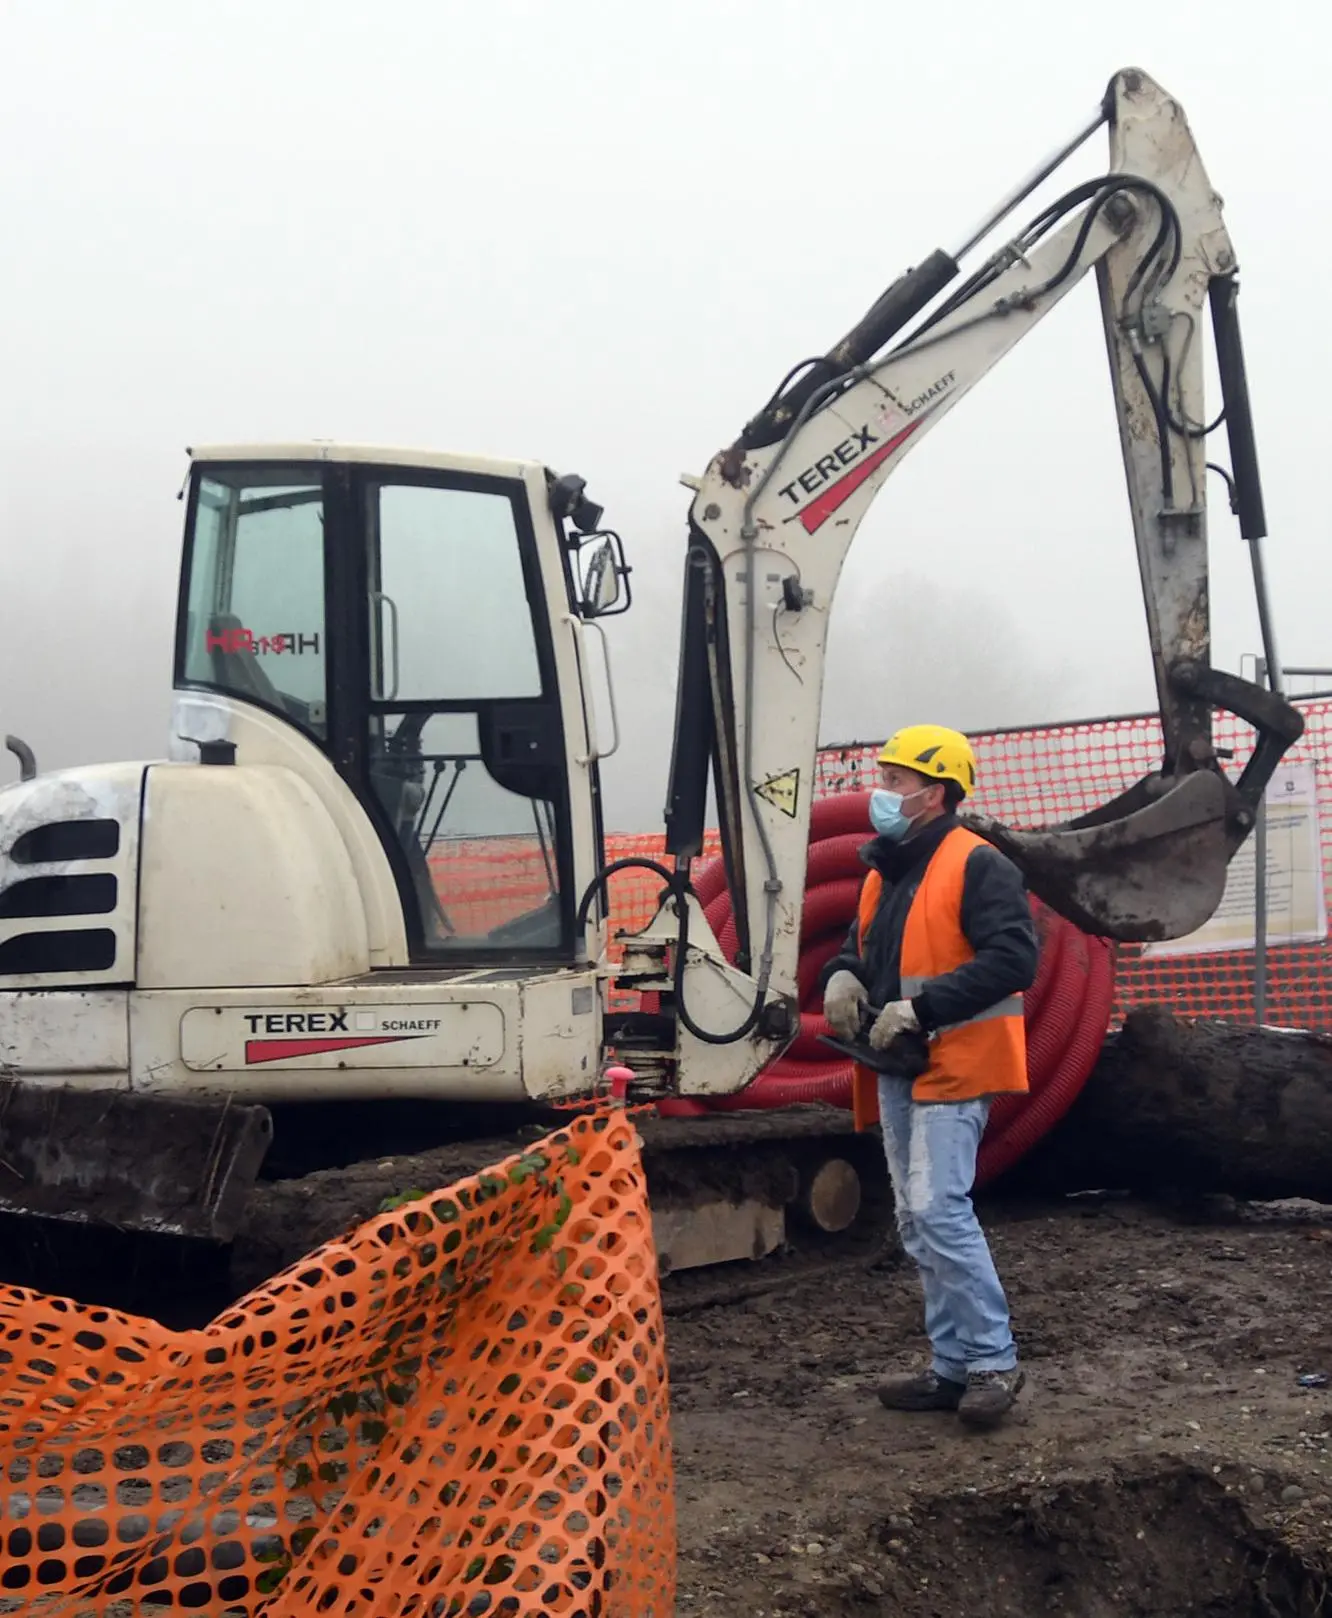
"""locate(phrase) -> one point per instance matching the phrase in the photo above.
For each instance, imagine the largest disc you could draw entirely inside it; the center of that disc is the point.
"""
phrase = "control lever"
(906, 1057)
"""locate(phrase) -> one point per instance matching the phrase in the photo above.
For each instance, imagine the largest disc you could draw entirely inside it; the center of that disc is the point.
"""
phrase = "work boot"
(989, 1396)
(923, 1391)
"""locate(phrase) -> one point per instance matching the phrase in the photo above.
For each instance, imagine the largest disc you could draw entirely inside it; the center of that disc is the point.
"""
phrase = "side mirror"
(601, 583)
(604, 587)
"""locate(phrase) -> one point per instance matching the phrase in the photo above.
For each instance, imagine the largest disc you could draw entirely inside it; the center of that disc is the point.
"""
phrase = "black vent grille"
(65, 840)
(89, 949)
(59, 896)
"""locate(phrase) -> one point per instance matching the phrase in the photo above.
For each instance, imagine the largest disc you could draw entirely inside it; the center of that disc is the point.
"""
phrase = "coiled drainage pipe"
(1067, 1008)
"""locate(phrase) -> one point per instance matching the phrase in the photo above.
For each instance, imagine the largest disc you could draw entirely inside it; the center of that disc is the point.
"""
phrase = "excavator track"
(740, 1202)
(763, 1167)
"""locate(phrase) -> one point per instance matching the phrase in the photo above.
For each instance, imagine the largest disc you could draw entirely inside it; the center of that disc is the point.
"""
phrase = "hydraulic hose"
(1067, 1009)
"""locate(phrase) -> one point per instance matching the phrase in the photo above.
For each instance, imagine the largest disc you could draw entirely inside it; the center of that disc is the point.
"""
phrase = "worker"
(941, 950)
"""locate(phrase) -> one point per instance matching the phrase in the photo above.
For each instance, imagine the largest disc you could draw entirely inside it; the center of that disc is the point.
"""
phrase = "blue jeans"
(931, 1150)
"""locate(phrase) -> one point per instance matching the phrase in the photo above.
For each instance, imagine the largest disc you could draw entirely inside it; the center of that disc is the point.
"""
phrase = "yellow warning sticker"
(781, 791)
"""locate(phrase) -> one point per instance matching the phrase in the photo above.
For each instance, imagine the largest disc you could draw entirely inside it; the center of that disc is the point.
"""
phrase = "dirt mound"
(1165, 1540)
(1162, 1539)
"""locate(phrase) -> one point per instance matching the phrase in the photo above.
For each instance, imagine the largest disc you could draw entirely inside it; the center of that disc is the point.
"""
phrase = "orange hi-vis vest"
(987, 1054)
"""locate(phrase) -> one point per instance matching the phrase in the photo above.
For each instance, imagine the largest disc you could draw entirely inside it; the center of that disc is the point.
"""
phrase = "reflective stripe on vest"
(1012, 1007)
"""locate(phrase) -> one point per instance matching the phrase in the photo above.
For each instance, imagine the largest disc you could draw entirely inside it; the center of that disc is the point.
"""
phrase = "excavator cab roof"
(329, 450)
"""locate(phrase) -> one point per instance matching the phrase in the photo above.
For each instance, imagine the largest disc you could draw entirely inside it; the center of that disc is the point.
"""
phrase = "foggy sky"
(597, 235)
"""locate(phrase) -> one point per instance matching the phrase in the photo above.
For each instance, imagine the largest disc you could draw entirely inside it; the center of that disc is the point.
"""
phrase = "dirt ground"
(1164, 1459)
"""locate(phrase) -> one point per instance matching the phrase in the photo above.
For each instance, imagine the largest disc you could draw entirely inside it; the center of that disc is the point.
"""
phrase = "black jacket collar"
(896, 861)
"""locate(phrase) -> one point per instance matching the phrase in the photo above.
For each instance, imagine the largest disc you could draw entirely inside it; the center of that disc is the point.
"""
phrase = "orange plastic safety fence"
(483, 883)
(1047, 773)
(459, 1408)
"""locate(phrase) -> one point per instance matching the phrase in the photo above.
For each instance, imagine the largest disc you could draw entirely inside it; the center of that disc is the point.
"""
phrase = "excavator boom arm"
(776, 512)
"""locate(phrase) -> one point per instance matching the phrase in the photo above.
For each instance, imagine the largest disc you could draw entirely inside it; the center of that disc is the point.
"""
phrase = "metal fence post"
(1275, 679)
(1260, 893)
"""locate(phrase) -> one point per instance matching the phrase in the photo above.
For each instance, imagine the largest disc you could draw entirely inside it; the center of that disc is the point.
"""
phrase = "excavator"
(385, 721)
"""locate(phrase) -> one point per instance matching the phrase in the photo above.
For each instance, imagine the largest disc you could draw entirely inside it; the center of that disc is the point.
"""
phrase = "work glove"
(897, 1018)
(844, 1001)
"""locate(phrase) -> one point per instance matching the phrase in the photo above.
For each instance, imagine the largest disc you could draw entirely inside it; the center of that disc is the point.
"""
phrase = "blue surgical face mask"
(886, 814)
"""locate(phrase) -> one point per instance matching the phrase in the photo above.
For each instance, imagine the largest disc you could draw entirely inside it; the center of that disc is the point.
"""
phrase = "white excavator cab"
(411, 628)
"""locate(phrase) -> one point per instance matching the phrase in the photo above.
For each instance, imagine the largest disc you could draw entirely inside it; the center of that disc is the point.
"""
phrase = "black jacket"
(996, 919)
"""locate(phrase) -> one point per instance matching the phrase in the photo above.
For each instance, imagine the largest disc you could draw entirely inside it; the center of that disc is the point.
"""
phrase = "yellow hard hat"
(934, 752)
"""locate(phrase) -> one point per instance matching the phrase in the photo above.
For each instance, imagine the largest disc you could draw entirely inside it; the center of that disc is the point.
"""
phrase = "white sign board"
(1296, 892)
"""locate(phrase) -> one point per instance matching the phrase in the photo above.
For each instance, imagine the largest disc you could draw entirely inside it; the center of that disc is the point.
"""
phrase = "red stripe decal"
(273, 1050)
(817, 512)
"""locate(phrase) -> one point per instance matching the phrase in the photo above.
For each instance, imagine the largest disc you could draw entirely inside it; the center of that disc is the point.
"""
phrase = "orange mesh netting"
(487, 882)
(459, 1408)
(1047, 773)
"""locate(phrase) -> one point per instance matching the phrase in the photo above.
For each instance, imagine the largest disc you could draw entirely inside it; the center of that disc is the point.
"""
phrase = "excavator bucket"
(134, 1162)
(1140, 869)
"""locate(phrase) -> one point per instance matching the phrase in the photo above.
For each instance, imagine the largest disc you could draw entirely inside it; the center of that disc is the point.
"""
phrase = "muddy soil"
(1164, 1458)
